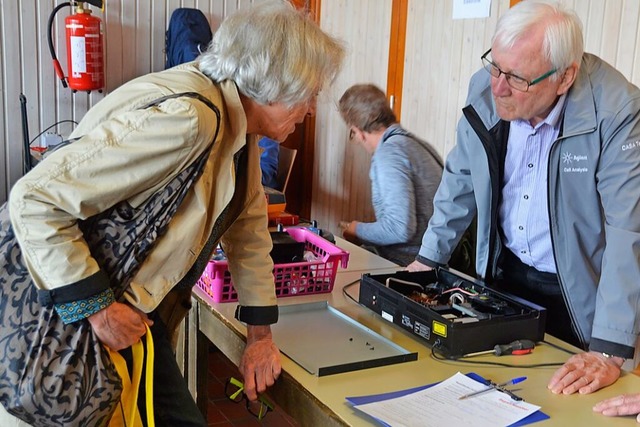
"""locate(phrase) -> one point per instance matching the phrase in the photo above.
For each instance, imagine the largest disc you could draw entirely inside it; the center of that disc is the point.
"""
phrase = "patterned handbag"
(52, 374)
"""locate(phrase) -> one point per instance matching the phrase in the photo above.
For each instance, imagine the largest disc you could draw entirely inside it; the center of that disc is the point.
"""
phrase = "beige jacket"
(127, 153)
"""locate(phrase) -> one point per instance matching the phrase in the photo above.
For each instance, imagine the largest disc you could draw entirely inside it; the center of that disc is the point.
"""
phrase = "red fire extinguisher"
(85, 59)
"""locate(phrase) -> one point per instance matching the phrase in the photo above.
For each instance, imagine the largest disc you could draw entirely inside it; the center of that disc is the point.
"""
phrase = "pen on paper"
(494, 387)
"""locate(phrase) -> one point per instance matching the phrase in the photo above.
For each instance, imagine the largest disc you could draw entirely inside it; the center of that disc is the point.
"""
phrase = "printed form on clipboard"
(439, 405)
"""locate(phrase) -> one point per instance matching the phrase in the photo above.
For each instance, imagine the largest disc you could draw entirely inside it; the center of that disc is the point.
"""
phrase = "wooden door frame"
(300, 188)
(397, 41)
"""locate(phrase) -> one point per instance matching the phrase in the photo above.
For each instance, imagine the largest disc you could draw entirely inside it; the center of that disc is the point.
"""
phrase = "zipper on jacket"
(494, 144)
(574, 324)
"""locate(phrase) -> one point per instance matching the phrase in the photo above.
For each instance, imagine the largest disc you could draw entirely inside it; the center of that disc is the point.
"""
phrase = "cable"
(404, 282)
(442, 358)
(55, 124)
(348, 285)
(471, 292)
(566, 350)
(28, 164)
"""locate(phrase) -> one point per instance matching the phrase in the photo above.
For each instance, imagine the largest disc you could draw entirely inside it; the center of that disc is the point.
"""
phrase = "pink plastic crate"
(292, 279)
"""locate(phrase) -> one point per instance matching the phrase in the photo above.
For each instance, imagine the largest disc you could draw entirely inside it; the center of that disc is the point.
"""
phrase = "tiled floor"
(222, 412)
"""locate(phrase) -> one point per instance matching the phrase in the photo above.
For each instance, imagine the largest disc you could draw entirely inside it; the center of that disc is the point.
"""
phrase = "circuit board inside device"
(461, 301)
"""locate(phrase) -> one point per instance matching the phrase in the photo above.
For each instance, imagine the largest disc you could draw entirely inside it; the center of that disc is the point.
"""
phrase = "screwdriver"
(517, 347)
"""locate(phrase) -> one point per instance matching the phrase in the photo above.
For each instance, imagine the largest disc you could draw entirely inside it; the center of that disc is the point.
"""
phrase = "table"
(320, 401)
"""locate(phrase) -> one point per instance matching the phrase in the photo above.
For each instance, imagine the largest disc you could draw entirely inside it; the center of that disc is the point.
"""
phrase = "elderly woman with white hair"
(174, 156)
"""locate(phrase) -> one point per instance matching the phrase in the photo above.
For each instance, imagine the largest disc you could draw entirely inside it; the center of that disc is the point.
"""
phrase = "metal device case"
(452, 312)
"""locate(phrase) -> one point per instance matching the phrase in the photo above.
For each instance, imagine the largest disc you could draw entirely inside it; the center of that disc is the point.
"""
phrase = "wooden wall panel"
(11, 55)
(443, 54)
(134, 39)
(440, 56)
(341, 188)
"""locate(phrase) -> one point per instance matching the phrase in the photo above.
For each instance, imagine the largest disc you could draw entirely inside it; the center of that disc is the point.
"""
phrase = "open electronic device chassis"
(452, 312)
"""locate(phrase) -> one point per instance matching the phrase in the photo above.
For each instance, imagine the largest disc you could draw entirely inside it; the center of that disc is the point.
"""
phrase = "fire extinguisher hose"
(56, 64)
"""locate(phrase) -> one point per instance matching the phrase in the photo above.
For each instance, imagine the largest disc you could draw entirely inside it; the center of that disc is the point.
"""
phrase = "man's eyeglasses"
(516, 82)
(234, 390)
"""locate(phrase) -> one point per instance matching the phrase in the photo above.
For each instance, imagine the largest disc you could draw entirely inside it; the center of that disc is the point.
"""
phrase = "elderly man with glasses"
(548, 160)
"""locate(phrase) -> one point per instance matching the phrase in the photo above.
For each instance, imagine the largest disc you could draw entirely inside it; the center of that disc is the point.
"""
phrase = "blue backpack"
(188, 35)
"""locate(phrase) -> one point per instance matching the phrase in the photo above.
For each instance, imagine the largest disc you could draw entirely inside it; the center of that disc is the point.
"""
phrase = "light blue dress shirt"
(524, 213)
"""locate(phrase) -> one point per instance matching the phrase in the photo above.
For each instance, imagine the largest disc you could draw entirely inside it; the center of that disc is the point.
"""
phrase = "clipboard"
(361, 400)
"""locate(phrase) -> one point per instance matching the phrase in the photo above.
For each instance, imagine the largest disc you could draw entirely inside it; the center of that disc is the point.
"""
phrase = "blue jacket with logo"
(594, 200)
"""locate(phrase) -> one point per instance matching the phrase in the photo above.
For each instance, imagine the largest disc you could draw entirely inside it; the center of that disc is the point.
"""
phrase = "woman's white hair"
(563, 40)
(273, 53)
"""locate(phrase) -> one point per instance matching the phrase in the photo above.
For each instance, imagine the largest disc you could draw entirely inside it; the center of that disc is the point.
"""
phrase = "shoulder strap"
(195, 95)
(159, 101)
(423, 144)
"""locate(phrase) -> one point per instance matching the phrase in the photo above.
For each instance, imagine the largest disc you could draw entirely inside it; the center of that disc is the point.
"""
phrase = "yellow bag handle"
(129, 416)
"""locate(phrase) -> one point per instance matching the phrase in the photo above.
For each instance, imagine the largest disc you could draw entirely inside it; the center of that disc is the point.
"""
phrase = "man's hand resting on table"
(260, 363)
(585, 373)
(119, 325)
